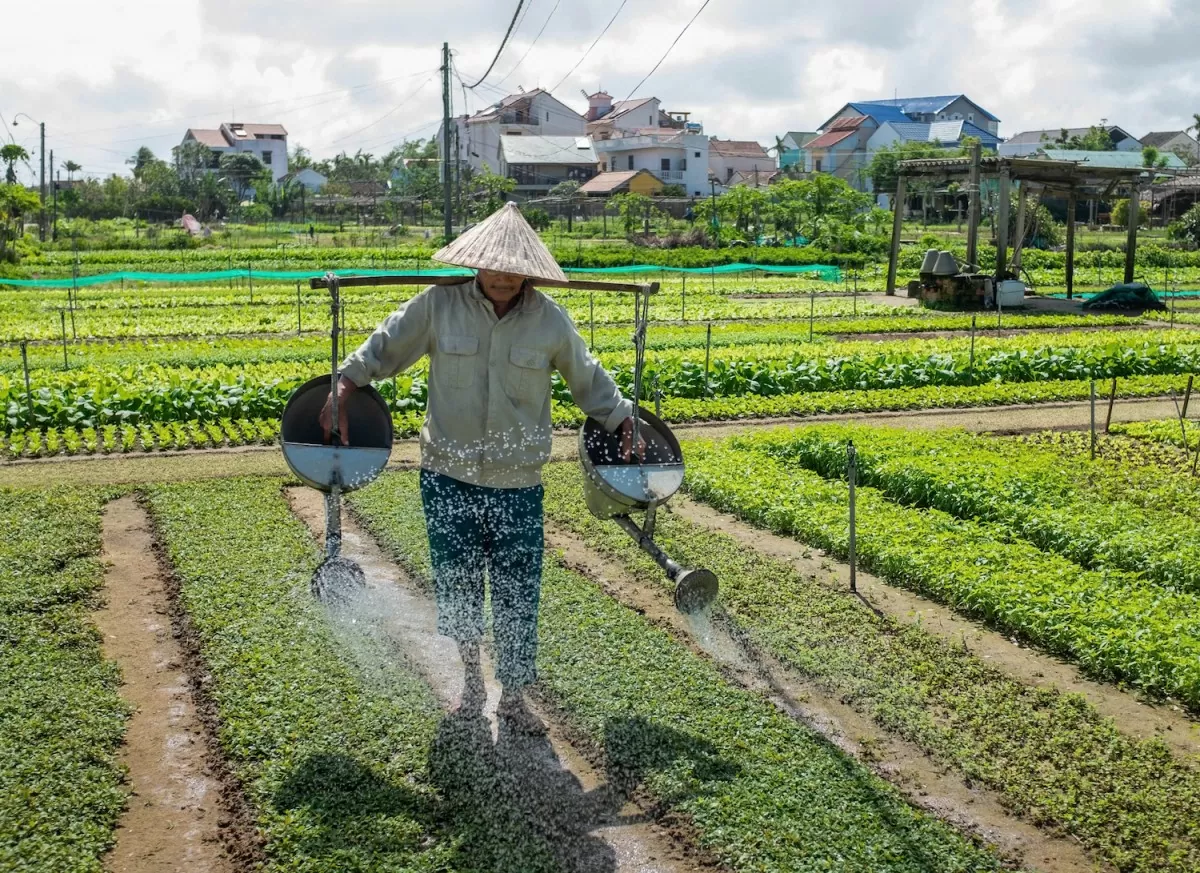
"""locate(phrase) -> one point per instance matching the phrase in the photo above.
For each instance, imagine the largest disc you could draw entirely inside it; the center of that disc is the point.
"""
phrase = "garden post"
(1182, 423)
(299, 316)
(1112, 398)
(1187, 394)
(707, 352)
(683, 305)
(28, 390)
(342, 317)
(971, 366)
(250, 280)
(62, 318)
(1093, 419)
(592, 318)
(812, 310)
(852, 478)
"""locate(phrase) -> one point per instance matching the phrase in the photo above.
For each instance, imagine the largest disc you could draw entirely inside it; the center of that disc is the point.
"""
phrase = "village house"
(267, 142)
(1029, 142)
(477, 138)
(606, 119)
(1177, 142)
(791, 144)
(742, 157)
(308, 178)
(538, 163)
(675, 156)
(622, 182)
(850, 138)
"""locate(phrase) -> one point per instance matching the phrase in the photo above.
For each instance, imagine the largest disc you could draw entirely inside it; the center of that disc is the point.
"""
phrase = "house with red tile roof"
(267, 142)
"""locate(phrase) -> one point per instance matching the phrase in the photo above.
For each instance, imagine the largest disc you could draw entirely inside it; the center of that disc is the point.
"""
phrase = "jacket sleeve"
(593, 390)
(395, 345)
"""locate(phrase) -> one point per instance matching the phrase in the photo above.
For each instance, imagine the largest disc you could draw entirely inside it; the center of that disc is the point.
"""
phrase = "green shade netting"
(820, 271)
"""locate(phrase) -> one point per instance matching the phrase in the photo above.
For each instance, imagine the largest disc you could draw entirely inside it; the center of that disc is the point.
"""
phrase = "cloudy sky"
(362, 74)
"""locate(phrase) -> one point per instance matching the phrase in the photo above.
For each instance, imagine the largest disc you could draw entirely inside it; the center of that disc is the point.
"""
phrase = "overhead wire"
(557, 3)
(669, 48)
(589, 48)
(406, 99)
(503, 43)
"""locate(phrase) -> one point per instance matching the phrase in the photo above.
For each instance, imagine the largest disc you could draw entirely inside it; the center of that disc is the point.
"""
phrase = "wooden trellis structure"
(1069, 179)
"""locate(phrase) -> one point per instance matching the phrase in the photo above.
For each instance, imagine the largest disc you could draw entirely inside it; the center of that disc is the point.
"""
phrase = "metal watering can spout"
(332, 467)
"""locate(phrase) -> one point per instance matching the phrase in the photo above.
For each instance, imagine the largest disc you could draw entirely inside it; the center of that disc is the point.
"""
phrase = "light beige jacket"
(488, 417)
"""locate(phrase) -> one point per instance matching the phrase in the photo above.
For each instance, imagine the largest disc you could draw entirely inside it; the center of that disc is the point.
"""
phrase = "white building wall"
(260, 148)
(649, 152)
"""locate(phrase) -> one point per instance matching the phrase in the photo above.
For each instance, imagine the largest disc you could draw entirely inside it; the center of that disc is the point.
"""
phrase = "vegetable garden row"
(143, 393)
(349, 765)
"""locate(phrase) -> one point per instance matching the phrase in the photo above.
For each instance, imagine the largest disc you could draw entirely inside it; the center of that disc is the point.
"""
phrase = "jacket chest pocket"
(457, 359)
(528, 373)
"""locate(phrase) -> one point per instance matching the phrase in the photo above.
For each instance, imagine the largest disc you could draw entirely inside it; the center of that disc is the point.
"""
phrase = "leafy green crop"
(1126, 799)
(1024, 493)
(61, 718)
(764, 792)
(1110, 622)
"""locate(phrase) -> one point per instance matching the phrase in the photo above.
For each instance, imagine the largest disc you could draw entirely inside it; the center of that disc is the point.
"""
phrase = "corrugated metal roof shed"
(548, 150)
(1108, 159)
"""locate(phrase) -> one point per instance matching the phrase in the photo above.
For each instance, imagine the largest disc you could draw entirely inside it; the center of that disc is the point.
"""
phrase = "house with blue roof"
(852, 135)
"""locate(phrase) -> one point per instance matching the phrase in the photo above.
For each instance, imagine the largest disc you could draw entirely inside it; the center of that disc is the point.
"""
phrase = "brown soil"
(574, 788)
(922, 781)
(1168, 722)
(174, 819)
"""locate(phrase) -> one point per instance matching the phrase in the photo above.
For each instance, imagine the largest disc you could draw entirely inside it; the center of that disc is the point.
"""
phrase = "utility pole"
(42, 181)
(446, 192)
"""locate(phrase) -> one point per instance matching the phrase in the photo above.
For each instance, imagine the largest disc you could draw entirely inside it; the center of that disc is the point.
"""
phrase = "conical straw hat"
(503, 242)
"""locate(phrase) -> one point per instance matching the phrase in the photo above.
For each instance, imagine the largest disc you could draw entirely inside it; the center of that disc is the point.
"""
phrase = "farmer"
(492, 343)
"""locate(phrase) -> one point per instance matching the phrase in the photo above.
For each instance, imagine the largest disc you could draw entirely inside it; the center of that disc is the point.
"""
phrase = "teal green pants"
(472, 529)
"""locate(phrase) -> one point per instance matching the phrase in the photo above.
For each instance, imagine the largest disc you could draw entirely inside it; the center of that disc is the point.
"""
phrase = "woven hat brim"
(503, 242)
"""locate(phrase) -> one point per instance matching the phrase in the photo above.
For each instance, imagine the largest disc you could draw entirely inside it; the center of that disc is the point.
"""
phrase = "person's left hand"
(627, 441)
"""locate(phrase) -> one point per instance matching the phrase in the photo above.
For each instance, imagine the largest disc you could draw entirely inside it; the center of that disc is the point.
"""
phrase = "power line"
(503, 43)
(412, 94)
(669, 48)
(532, 44)
(589, 48)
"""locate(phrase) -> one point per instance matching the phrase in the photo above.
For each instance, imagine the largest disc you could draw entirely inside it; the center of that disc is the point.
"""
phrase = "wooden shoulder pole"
(897, 230)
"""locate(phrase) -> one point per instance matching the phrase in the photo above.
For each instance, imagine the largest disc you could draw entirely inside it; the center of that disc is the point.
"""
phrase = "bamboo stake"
(1112, 398)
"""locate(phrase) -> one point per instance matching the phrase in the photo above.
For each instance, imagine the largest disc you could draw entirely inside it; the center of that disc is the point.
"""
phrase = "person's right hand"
(345, 388)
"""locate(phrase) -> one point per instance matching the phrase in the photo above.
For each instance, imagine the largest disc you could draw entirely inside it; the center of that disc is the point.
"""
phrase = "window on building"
(547, 114)
(817, 165)
(682, 164)
(266, 158)
(971, 116)
(650, 121)
(697, 154)
(665, 164)
(630, 161)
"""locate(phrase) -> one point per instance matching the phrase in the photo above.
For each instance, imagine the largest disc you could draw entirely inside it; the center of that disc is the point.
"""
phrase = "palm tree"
(10, 154)
(1196, 123)
(71, 167)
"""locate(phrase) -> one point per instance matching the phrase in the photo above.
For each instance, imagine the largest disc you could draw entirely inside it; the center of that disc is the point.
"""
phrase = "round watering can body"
(321, 465)
(613, 487)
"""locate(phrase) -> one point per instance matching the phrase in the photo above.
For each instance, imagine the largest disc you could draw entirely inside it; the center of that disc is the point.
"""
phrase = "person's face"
(500, 287)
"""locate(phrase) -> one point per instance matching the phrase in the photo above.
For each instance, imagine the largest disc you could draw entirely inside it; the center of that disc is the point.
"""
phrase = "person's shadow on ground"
(505, 805)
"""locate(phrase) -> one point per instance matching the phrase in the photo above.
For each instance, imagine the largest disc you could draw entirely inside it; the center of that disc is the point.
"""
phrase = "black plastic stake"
(62, 318)
(972, 362)
(250, 280)
(1187, 394)
(1112, 398)
(299, 317)
(1093, 407)
(812, 311)
(592, 318)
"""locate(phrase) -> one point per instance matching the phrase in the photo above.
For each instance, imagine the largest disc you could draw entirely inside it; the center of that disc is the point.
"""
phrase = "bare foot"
(474, 691)
(516, 714)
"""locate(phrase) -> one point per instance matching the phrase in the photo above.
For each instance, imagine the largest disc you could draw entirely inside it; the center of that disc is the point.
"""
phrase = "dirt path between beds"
(174, 819)
(592, 827)
(925, 783)
(1132, 716)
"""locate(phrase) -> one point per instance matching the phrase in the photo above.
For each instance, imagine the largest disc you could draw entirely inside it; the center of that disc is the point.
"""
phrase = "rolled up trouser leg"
(514, 549)
(454, 521)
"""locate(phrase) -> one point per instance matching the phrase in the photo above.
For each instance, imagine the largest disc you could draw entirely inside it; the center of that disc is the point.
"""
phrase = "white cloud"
(121, 73)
